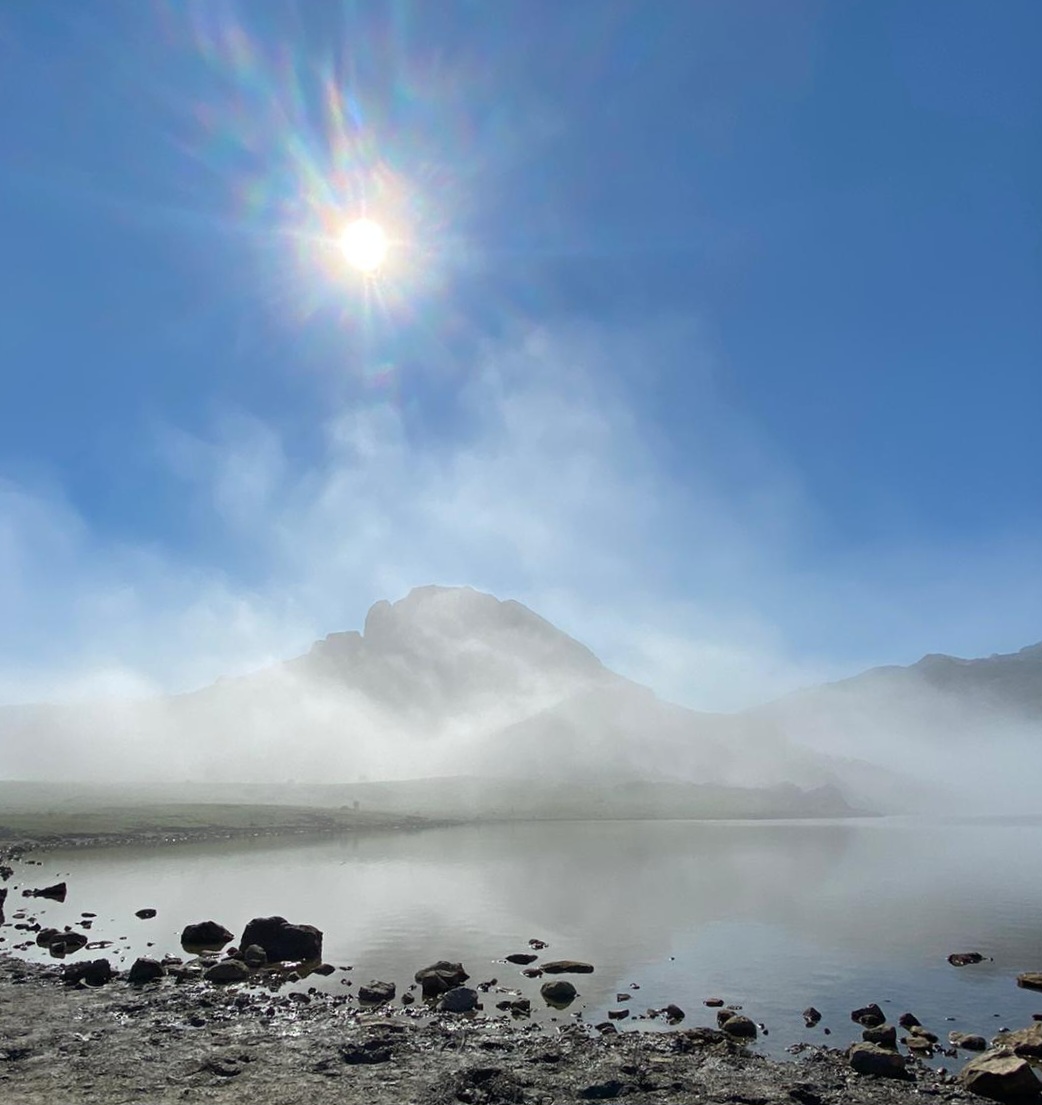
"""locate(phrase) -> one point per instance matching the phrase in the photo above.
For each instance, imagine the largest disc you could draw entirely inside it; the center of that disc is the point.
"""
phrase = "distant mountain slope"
(454, 683)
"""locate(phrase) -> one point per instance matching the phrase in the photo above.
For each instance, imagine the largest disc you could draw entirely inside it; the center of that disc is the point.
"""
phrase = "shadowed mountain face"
(453, 682)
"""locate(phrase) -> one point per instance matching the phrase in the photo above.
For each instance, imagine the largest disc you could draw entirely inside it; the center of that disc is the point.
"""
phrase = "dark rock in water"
(253, 955)
(559, 992)
(723, 1015)
(872, 1059)
(532, 972)
(145, 970)
(228, 970)
(811, 1016)
(67, 943)
(1001, 1076)
(205, 934)
(885, 1035)
(618, 1014)
(606, 1028)
(603, 1091)
(522, 958)
(521, 1008)
(713, 1003)
(282, 940)
(538, 944)
(869, 1016)
(908, 1020)
(439, 977)
(145, 914)
(55, 893)
(94, 972)
(964, 959)
(921, 1033)
(673, 1014)
(321, 969)
(567, 967)
(460, 999)
(407, 998)
(742, 1027)
(46, 937)
(1030, 980)
(968, 1041)
(5, 872)
(377, 992)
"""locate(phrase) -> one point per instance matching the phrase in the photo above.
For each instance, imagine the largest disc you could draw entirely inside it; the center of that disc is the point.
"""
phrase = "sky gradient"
(710, 330)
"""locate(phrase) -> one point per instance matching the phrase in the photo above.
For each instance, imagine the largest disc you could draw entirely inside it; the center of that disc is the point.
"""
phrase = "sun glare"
(364, 245)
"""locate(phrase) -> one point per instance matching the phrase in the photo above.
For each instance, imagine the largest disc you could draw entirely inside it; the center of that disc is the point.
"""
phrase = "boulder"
(673, 1013)
(869, 1016)
(921, 1033)
(460, 999)
(567, 967)
(1025, 1042)
(522, 958)
(67, 943)
(559, 992)
(1002, 1076)
(880, 1061)
(145, 970)
(93, 972)
(376, 992)
(205, 934)
(439, 977)
(1030, 980)
(908, 1020)
(55, 893)
(885, 1035)
(967, 1041)
(282, 940)
(739, 1026)
(253, 955)
(145, 914)
(811, 1016)
(228, 970)
(964, 959)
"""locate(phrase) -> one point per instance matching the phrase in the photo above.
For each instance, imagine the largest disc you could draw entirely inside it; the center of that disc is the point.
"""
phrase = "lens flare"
(364, 245)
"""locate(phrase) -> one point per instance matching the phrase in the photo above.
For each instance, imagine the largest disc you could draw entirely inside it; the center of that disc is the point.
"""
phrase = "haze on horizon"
(707, 332)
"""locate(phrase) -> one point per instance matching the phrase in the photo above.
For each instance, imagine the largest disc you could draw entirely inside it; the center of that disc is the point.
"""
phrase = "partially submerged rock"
(560, 992)
(205, 934)
(145, 970)
(967, 1041)
(55, 893)
(1025, 1042)
(567, 967)
(741, 1027)
(811, 1016)
(460, 999)
(521, 958)
(885, 1035)
(228, 970)
(1030, 980)
(439, 977)
(282, 940)
(868, 1016)
(964, 959)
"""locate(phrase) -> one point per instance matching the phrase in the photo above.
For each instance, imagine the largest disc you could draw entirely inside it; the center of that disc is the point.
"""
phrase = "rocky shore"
(173, 1041)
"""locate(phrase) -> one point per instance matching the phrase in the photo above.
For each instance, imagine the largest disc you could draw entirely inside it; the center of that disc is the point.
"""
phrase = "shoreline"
(169, 1041)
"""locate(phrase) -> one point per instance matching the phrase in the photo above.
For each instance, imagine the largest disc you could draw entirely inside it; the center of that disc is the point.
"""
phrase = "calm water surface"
(770, 916)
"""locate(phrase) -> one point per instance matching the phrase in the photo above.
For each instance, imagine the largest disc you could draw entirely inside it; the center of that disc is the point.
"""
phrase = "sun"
(364, 245)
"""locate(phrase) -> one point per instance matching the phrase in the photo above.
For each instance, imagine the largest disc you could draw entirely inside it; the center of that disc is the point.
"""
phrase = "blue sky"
(711, 330)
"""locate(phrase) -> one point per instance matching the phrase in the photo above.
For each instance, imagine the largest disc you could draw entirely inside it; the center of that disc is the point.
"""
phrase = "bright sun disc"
(364, 245)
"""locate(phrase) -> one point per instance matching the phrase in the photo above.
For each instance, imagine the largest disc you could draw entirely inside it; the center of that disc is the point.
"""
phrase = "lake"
(772, 916)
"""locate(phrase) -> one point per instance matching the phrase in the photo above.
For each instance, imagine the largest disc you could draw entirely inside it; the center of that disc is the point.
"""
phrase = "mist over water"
(771, 916)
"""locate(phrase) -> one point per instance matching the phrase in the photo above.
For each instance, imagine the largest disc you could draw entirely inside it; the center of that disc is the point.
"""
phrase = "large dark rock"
(440, 977)
(460, 999)
(55, 893)
(94, 972)
(145, 970)
(67, 943)
(880, 1061)
(376, 992)
(1002, 1076)
(740, 1026)
(869, 1016)
(282, 940)
(253, 955)
(559, 992)
(567, 967)
(205, 934)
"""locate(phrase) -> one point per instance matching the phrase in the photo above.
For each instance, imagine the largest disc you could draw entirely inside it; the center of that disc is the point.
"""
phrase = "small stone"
(254, 956)
(228, 970)
(376, 992)
(145, 914)
(713, 1003)
(964, 959)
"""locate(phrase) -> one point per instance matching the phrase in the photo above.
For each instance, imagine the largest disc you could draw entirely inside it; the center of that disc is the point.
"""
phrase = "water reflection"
(773, 916)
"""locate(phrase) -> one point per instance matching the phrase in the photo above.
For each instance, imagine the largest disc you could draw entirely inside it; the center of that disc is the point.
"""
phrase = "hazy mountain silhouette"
(454, 683)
